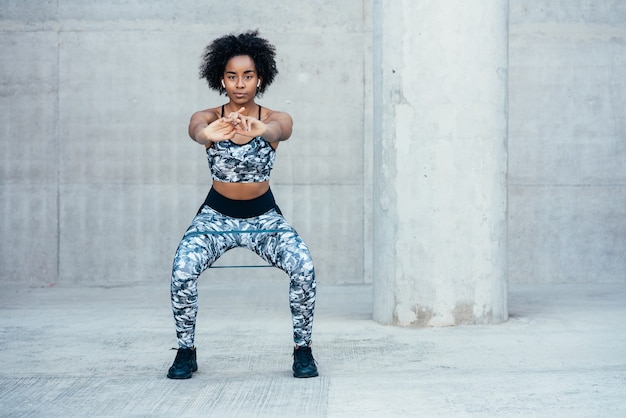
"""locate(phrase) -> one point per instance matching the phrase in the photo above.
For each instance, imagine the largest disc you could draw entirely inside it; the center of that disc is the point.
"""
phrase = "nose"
(240, 82)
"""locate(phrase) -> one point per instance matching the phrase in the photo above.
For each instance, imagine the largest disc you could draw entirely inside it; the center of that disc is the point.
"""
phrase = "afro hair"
(217, 54)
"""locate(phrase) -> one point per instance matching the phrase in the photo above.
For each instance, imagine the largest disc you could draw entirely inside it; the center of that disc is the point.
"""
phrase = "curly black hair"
(217, 54)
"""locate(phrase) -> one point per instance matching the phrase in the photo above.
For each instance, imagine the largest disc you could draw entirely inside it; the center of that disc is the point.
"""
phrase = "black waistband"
(240, 208)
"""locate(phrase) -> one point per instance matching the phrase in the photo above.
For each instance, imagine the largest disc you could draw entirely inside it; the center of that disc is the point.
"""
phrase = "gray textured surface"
(567, 147)
(104, 351)
(95, 98)
(440, 163)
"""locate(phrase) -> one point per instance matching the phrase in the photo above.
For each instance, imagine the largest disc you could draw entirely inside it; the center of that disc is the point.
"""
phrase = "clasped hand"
(235, 123)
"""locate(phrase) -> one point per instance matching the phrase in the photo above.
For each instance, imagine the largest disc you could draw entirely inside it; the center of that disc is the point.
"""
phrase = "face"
(241, 79)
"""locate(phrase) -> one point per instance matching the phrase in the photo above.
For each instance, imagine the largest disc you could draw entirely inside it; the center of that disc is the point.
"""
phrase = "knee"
(299, 265)
(308, 270)
(188, 263)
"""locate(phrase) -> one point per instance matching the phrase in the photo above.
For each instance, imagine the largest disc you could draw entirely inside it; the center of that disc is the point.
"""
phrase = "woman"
(241, 138)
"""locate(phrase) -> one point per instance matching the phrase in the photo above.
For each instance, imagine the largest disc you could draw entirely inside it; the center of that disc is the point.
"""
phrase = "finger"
(233, 119)
(243, 132)
(246, 124)
(230, 134)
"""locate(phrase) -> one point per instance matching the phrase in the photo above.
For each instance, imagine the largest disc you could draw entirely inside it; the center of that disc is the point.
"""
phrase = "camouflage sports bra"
(251, 162)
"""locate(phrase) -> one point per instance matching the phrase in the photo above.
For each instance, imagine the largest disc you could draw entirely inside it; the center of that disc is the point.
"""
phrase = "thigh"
(203, 242)
(281, 246)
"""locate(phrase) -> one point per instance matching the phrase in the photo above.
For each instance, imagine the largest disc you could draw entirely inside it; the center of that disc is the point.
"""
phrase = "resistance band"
(239, 231)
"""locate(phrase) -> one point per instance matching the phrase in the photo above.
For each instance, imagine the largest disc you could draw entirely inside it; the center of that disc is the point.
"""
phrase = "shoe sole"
(185, 376)
(300, 376)
(180, 377)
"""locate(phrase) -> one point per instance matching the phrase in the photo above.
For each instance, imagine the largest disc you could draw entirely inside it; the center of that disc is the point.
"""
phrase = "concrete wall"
(567, 141)
(440, 162)
(99, 179)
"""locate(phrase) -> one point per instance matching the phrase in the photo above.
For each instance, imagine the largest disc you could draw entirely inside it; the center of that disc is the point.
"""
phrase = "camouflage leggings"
(208, 238)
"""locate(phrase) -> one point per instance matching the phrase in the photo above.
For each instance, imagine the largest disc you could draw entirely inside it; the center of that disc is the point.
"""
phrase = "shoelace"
(304, 355)
(183, 355)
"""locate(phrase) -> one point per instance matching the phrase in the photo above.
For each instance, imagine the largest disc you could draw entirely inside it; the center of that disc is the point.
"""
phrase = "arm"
(206, 126)
(277, 127)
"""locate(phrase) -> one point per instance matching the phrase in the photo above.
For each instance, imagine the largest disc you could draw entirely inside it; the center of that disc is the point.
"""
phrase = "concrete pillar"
(440, 161)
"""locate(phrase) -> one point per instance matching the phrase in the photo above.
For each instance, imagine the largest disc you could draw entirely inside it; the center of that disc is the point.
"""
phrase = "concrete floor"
(103, 352)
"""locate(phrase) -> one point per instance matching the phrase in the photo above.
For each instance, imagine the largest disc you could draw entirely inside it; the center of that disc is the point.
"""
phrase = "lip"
(239, 95)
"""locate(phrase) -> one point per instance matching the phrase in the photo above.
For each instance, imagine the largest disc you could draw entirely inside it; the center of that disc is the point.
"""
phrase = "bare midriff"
(241, 191)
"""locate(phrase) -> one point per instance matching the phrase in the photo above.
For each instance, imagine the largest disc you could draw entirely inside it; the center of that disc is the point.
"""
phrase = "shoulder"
(207, 115)
(269, 115)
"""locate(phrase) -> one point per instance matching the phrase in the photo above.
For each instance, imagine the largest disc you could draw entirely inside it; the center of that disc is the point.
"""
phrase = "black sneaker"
(303, 363)
(184, 364)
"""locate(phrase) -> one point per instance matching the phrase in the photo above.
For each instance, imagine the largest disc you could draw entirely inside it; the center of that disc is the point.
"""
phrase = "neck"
(251, 108)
